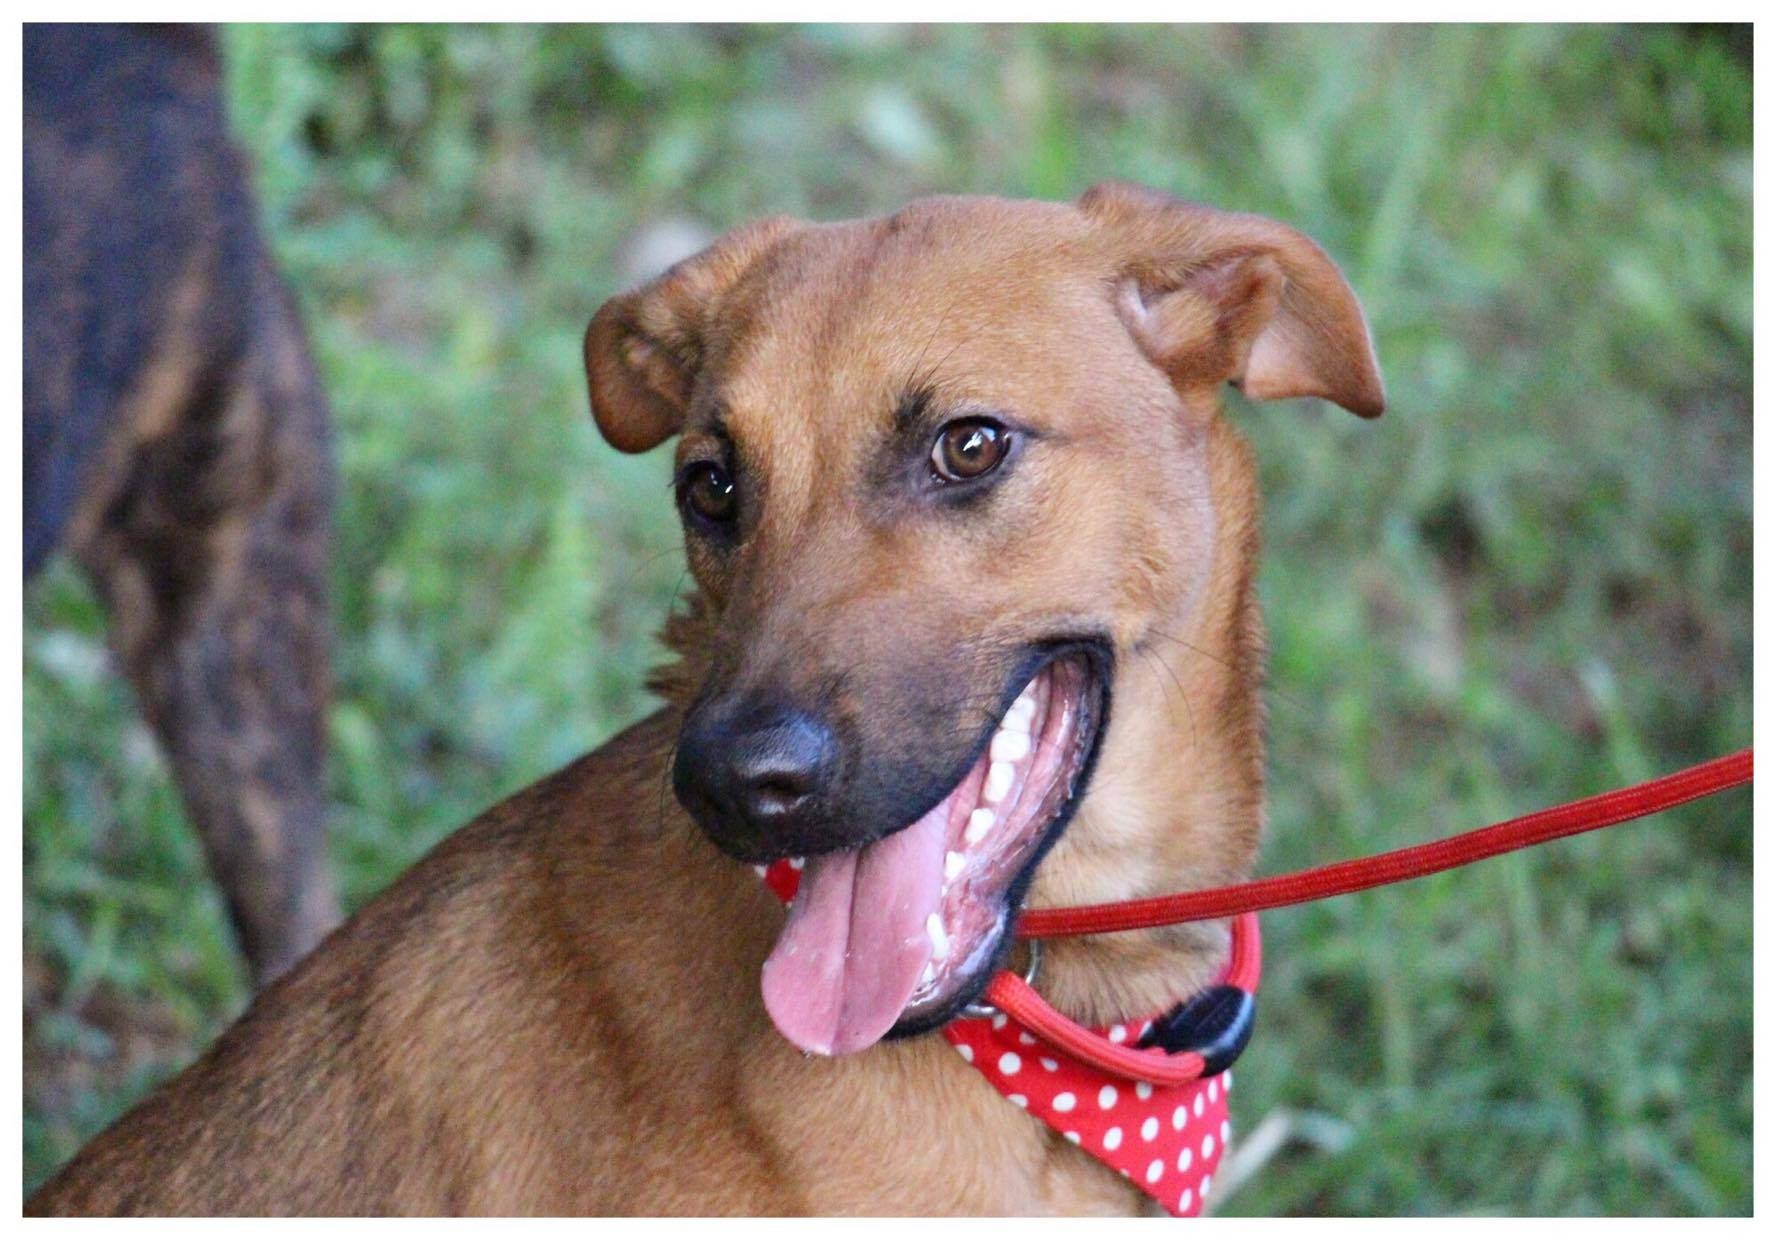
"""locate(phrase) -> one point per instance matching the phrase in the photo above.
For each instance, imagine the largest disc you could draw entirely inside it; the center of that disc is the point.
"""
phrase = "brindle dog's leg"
(176, 440)
(212, 559)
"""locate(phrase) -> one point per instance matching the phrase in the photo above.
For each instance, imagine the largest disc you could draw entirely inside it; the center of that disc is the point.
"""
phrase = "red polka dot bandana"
(1168, 1140)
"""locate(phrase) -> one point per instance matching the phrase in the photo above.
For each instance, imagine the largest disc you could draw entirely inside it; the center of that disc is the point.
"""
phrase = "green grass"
(1531, 580)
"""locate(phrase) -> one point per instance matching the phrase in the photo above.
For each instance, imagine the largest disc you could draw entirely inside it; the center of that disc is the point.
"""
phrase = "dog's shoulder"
(446, 1013)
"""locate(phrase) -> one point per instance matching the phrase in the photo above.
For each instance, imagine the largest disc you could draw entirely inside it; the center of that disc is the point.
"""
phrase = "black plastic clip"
(1216, 1024)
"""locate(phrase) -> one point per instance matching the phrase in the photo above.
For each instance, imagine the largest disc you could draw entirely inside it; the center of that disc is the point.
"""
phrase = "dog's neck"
(1177, 799)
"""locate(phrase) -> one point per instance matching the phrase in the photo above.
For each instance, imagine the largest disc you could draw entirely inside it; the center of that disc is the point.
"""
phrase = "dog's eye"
(708, 491)
(968, 448)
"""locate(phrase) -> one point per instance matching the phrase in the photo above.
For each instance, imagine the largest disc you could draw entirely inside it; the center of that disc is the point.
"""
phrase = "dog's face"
(938, 474)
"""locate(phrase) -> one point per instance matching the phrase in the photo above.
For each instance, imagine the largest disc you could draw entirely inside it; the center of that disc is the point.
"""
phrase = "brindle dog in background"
(177, 444)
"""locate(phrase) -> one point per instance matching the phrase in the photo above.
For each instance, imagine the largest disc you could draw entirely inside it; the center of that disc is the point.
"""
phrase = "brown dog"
(929, 465)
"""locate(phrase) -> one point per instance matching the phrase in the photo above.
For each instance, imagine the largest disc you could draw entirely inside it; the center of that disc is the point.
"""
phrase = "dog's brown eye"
(968, 448)
(708, 491)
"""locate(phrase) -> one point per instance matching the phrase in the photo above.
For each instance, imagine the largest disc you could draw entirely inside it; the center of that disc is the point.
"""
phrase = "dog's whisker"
(925, 380)
(666, 783)
(642, 564)
(914, 379)
(1293, 701)
(1183, 694)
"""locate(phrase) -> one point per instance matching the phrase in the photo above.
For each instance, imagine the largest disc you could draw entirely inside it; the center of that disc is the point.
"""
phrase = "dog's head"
(941, 475)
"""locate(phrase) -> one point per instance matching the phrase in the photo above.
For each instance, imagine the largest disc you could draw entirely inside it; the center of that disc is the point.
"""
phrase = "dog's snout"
(753, 773)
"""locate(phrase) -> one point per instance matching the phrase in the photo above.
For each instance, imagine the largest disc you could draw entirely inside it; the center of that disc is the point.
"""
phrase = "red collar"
(1159, 1118)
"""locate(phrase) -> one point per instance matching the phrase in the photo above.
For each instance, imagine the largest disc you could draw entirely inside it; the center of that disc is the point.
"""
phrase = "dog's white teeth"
(953, 864)
(1022, 711)
(1009, 746)
(929, 976)
(979, 824)
(999, 778)
(940, 939)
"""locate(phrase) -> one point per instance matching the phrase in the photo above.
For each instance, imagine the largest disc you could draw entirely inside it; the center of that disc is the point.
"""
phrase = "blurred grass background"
(1531, 580)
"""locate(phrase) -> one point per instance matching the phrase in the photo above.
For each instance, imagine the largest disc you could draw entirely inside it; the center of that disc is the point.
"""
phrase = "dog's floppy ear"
(644, 348)
(1213, 297)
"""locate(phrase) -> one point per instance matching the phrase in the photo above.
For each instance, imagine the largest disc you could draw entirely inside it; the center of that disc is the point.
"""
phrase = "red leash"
(1018, 1000)
(1413, 862)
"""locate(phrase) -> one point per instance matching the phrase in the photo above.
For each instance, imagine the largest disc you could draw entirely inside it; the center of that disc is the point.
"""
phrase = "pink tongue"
(855, 944)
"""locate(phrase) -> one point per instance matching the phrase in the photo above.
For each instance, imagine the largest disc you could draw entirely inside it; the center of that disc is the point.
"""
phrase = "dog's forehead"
(839, 322)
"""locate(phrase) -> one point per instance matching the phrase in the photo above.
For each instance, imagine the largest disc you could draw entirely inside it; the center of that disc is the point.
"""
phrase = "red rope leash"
(1413, 862)
(1017, 999)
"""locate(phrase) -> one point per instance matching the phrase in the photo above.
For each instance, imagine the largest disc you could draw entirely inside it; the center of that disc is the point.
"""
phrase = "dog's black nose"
(752, 772)
(777, 768)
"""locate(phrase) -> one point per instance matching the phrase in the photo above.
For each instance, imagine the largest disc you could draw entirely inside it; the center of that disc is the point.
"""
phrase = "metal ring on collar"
(1035, 964)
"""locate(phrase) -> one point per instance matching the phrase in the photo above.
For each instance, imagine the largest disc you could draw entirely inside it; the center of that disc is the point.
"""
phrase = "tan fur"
(558, 1010)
